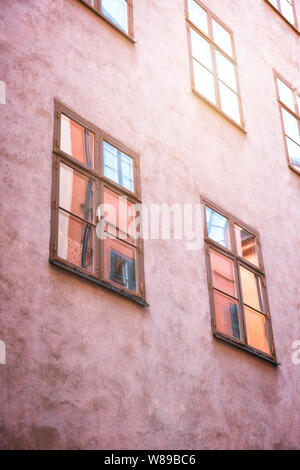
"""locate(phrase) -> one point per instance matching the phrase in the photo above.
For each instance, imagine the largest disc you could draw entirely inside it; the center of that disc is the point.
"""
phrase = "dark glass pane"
(75, 241)
(223, 276)
(77, 141)
(227, 315)
(76, 193)
(120, 263)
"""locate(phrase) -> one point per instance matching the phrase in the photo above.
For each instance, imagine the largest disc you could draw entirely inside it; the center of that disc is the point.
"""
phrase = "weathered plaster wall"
(86, 368)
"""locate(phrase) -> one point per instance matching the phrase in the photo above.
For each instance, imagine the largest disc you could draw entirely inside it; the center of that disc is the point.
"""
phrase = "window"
(116, 12)
(287, 9)
(237, 286)
(214, 73)
(289, 104)
(89, 169)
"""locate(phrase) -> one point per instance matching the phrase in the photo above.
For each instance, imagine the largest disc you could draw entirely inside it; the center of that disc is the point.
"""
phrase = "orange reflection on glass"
(77, 141)
(257, 332)
(251, 287)
(246, 245)
(223, 276)
(75, 241)
(120, 263)
(227, 317)
(119, 216)
(76, 192)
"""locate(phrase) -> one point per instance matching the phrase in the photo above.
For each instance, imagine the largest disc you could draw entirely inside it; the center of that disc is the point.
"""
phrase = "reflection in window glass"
(204, 82)
(75, 241)
(222, 38)
(287, 11)
(251, 287)
(120, 263)
(116, 11)
(227, 317)
(286, 95)
(119, 216)
(294, 153)
(118, 166)
(223, 276)
(226, 71)
(76, 192)
(229, 103)
(77, 141)
(217, 227)
(246, 245)
(291, 126)
(198, 16)
(201, 49)
(257, 332)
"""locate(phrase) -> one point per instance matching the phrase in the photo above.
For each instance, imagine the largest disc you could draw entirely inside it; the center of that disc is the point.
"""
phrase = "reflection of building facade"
(114, 344)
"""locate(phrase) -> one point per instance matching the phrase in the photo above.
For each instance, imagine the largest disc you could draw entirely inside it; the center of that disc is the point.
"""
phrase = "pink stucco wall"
(86, 368)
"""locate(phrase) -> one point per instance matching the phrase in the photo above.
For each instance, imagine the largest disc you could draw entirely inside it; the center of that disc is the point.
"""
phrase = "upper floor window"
(237, 286)
(289, 104)
(95, 183)
(117, 12)
(214, 72)
(287, 9)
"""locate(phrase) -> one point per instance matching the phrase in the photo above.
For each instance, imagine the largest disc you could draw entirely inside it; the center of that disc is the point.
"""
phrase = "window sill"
(245, 348)
(107, 20)
(84, 275)
(219, 111)
(294, 169)
(295, 28)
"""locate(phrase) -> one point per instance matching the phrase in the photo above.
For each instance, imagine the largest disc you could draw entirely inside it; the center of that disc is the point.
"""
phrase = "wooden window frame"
(100, 181)
(232, 254)
(296, 114)
(213, 46)
(97, 9)
(295, 27)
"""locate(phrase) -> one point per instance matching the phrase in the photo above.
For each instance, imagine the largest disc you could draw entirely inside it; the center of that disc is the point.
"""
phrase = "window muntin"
(117, 12)
(287, 9)
(288, 99)
(213, 63)
(236, 280)
(79, 187)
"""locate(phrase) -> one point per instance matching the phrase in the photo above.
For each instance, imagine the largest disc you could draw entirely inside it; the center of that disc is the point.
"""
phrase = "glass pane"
(294, 153)
(201, 49)
(77, 141)
(120, 263)
(223, 276)
(246, 245)
(204, 82)
(286, 95)
(226, 71)
(198, 16)
(222, 38)
(217, 227)
(291, 126)
(257, 330)
(251, 287)
(118, 166)
(287, 11)
(119, 216)
(76, 192)
(229, 102)
(298, 102)
(274, 3)
(91, 2)
(76, 241)
(116, 11)
(227, 316)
